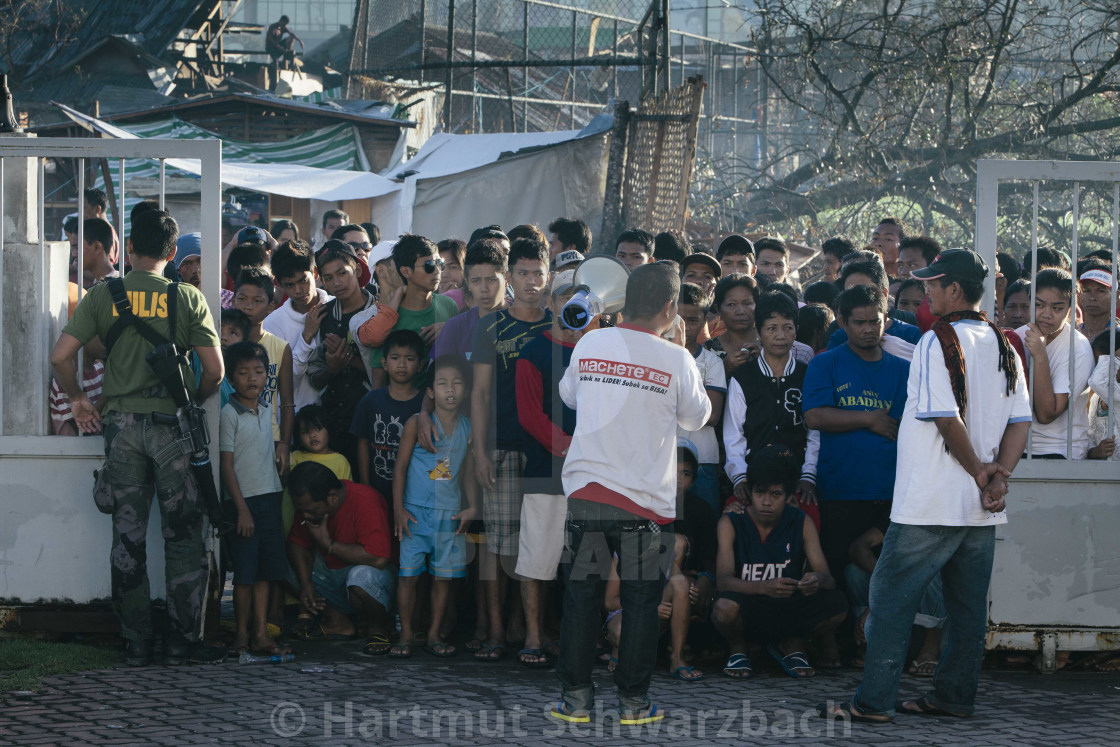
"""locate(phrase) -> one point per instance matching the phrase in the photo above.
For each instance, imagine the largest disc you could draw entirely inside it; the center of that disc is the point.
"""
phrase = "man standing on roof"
(278, 41)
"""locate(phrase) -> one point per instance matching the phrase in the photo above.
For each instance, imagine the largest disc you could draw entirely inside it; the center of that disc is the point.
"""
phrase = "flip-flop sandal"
(400, 651)
(921, 668)
(843, 711)
(234, 652)
(680, 674)
(924, 708)
(579, 717)
(612, 664)
(792, 662)
(307, 628)
(441, 649)
(474, 644)
(536, 653)
(738, 663)
(377, 645)
(647, 716)
(490, 653)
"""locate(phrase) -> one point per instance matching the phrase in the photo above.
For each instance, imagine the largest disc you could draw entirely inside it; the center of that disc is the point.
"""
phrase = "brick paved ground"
(428, 701)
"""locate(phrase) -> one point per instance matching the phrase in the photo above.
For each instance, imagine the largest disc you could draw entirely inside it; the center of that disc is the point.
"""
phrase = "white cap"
(381, 252)
(1097, 276)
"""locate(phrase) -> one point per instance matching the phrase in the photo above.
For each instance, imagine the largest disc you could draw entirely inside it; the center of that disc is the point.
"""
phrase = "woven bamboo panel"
(660, 155)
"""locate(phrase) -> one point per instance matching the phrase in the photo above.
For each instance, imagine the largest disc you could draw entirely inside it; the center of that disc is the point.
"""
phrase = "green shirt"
(440, 309)
(130, 385)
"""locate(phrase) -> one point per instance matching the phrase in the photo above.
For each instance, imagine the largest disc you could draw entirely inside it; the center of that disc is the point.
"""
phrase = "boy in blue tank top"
(429, 516)
(774, 584)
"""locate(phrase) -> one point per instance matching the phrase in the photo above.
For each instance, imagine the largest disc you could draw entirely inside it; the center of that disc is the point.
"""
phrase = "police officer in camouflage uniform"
(141, 455)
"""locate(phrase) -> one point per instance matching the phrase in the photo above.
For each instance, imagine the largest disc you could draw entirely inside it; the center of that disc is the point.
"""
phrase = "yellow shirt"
(275, 347)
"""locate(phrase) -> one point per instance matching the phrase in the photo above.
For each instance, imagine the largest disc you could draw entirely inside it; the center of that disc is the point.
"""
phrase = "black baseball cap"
(735, 244)
(252, 235)
(959, 264)
(702, 258)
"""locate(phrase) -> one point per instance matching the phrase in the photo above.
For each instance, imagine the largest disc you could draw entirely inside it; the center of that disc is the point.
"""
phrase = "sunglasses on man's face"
(364, 245)
(430, 265)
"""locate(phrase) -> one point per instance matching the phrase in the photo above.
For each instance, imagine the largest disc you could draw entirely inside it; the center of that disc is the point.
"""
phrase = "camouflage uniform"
(142, 456)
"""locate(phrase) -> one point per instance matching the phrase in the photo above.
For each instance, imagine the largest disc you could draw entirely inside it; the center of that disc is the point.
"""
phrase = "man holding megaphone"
(621, 490)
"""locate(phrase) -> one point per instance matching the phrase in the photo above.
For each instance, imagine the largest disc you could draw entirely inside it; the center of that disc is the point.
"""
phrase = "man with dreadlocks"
(961, 435)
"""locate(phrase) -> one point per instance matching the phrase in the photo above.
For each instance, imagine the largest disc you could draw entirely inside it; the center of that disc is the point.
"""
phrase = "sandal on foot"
(307, 628)
(795, 664)
(572, 717)
(535, 653)
(844, 712)
(400, 650)
(377, 644)
(687, 674)
(234, 651)
(612, 664)
(490, 653)
(922, 668)
(474, 644)
(645, 716)
(738, 667)
(923, 707)
(441, 649)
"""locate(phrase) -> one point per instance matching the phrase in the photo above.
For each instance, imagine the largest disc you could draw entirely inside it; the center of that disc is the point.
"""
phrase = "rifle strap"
(126, 317)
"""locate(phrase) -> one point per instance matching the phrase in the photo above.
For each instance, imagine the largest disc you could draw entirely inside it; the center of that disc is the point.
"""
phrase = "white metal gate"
(1056, 581)
(54, 545)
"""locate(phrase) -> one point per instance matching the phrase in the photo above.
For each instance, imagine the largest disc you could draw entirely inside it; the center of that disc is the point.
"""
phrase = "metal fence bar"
(44, 280)
(1112, 312)
(81, 279)
(162, 184)
(1034, 291)
(1072, 313)
(2, 276)
(120, 210)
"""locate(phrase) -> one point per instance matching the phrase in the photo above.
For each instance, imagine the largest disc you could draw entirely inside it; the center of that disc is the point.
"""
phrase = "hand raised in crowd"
(484, 470)
(431, 332)
(244, 522)
(339, 355)
(736, 358)
(810, 583)
(808, 492)
(401, 519)
(735, 507)
(993, 496)
(320, 534)
(465, 517)
(1035, 341)
(313, 319)
(85, 415)
(881, 423)
(780, 587)
(678, 336)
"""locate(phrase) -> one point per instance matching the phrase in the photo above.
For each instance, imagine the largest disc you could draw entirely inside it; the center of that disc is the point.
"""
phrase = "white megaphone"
(600, 289)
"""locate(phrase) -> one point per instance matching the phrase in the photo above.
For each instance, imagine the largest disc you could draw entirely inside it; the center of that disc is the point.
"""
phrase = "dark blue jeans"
(595, 533)
(912, 556)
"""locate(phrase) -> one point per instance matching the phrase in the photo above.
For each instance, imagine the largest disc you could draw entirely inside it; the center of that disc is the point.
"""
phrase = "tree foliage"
(897, 99)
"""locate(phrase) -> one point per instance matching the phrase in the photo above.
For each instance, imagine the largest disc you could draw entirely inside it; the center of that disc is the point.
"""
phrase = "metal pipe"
(423, 28)
(525, 67)
(3, 365)
(120, 217)
(1034, 290)
(81, 279)
(1109, 424)
(572, 75)
(1072, 313)
(474, 58)
(614, 69)
(163, 184)
(449, 80)
(44, 280)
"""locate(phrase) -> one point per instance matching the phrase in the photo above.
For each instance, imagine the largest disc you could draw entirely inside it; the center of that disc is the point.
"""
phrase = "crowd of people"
(414, 441)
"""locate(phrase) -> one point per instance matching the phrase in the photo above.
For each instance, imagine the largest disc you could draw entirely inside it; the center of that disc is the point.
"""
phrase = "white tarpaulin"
(290, 180)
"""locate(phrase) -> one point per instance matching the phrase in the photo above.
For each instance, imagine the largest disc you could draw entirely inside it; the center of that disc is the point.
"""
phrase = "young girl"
(310, 444)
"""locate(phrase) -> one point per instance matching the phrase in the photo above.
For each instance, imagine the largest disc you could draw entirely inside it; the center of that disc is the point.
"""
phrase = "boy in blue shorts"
(428, 488)
(250, 479)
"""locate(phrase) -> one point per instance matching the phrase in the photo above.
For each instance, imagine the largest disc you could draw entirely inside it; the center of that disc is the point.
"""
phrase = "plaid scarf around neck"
(954, 356)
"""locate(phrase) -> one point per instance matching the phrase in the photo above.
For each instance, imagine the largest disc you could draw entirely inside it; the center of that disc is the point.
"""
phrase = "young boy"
(428, 503)
(338, 369)
(1056, 396)
(692, 307)
(548, 425)
(381, 415)
(251, 481)
(484, 290)
(253, 296)
(764, 590)
(416, 306)
(297, 320)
